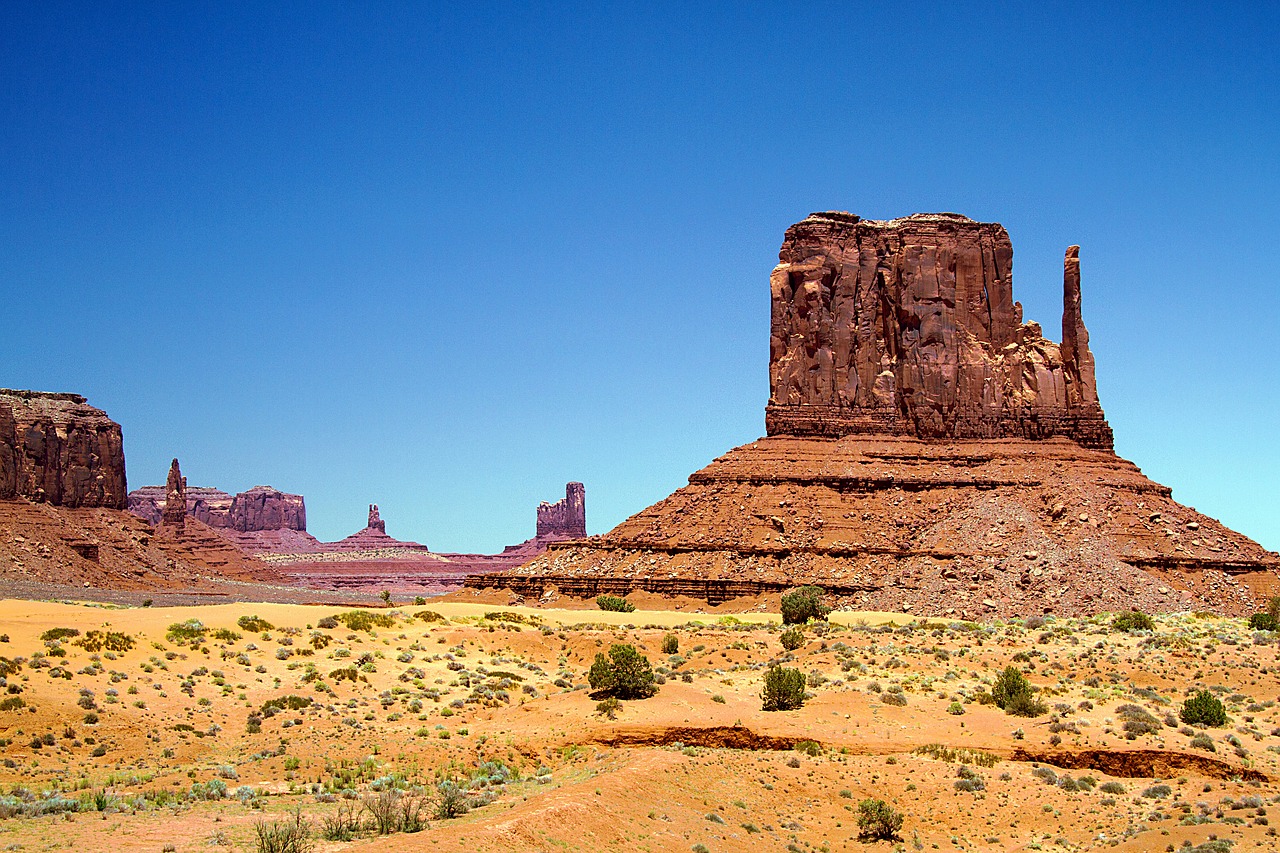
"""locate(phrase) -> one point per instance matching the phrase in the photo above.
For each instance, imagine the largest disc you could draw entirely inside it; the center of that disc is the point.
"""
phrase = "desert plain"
(131, 728)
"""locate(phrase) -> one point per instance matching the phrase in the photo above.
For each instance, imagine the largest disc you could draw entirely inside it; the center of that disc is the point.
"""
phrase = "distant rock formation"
(908, 327)
(265, 508)
(564, 519)
(928, 452)
(259, 509)
(57, 449)
(175, 501)
(372, 537)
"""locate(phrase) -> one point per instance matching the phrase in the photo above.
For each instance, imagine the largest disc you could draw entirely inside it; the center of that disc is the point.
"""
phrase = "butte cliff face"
(564, 519)
(928, 451)
(57, 449)
(908, 327)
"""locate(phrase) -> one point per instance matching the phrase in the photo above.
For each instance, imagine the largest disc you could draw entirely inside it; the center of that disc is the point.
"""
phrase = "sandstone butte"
(63, 495)
(926, 451)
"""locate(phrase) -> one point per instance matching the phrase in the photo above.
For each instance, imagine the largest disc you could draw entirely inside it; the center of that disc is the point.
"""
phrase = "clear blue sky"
(447, 257)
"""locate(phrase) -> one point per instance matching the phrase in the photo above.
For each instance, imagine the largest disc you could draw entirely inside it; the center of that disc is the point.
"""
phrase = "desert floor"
(195, 740)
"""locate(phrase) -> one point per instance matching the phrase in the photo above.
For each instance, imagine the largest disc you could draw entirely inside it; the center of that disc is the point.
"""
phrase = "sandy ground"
(167, 743)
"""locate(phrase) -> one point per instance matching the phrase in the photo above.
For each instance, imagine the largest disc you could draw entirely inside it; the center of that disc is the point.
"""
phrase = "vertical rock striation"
(566, 518)
(908, 327)
(57, 449)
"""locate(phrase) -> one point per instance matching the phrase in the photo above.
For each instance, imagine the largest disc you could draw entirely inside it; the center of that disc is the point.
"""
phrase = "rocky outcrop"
(927, 452)
(57, 449)
(375, 519)
(908, 327)
(175, 498)
(372, 538)
(265, 508)
(208, 506)
(564, 519)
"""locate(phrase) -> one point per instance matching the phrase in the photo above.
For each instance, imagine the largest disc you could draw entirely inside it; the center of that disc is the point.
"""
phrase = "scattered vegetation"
(254, 624)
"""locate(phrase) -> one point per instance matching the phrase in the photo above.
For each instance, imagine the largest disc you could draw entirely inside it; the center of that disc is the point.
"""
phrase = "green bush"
(609, 708)
(363, 620)
(623, 674)
(253, 624)
(878, 821)
(54, 634)
(1013, 693)
(792, 639)
(670, 644)
(1263, 622)
(191, 631)
(783, 689)
(614, 603)
(802, 604)
(1203, 709)
(1134, 620)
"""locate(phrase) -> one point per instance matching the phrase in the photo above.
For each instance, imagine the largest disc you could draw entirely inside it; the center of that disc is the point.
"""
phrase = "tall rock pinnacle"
(1077, 360)
(175, 498)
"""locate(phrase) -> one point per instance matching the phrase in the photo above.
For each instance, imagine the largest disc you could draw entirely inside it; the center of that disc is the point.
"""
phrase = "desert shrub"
(328, 623)
(783, 689)
(292, 835)
(609, 708)
(254, 624)
(1203, 741)
(282, 703)
(1138, 721)
(451, 800)
(190, 631)
(1133, 620)
(956, 708)
(890, 697)
(802, 604)
(792, 639)
(623, 674)
(1263, 622)
(429, 615)
(1111, 788)
(364, 620)
(614, 603)
(112, 641)
(55, 634)
(1203, 709)
(1157, 792)
(878, 821)
(12, 703)
(343, 824)
(1013, 693)
(811, 748)
(961, 754)
(670, 644)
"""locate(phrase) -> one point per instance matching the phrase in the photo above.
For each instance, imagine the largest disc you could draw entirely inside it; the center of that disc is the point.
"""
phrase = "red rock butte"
(926, 450)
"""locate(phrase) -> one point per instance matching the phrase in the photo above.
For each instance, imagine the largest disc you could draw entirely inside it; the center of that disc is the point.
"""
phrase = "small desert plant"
(802, 604)
(1203, 741)
(1203, 709)
(670, 644)
(783, 689)
(363, 620)
(609, 708)
(190, 631)
(55, 634)
(1133, 620)
(615, 604)
(1013, 693)
(792, 639)
(623, 674)
(343, 824)
(878, 821)
(291, 835)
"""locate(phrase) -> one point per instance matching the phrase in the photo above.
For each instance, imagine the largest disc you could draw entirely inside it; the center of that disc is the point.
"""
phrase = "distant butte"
(926, 451)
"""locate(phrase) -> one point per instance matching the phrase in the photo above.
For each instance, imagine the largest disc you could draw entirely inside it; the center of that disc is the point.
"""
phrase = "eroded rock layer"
(57, 449)
(966, 528)
(908, 326)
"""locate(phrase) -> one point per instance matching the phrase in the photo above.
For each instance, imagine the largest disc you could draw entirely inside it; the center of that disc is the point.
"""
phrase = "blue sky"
(446, 257)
